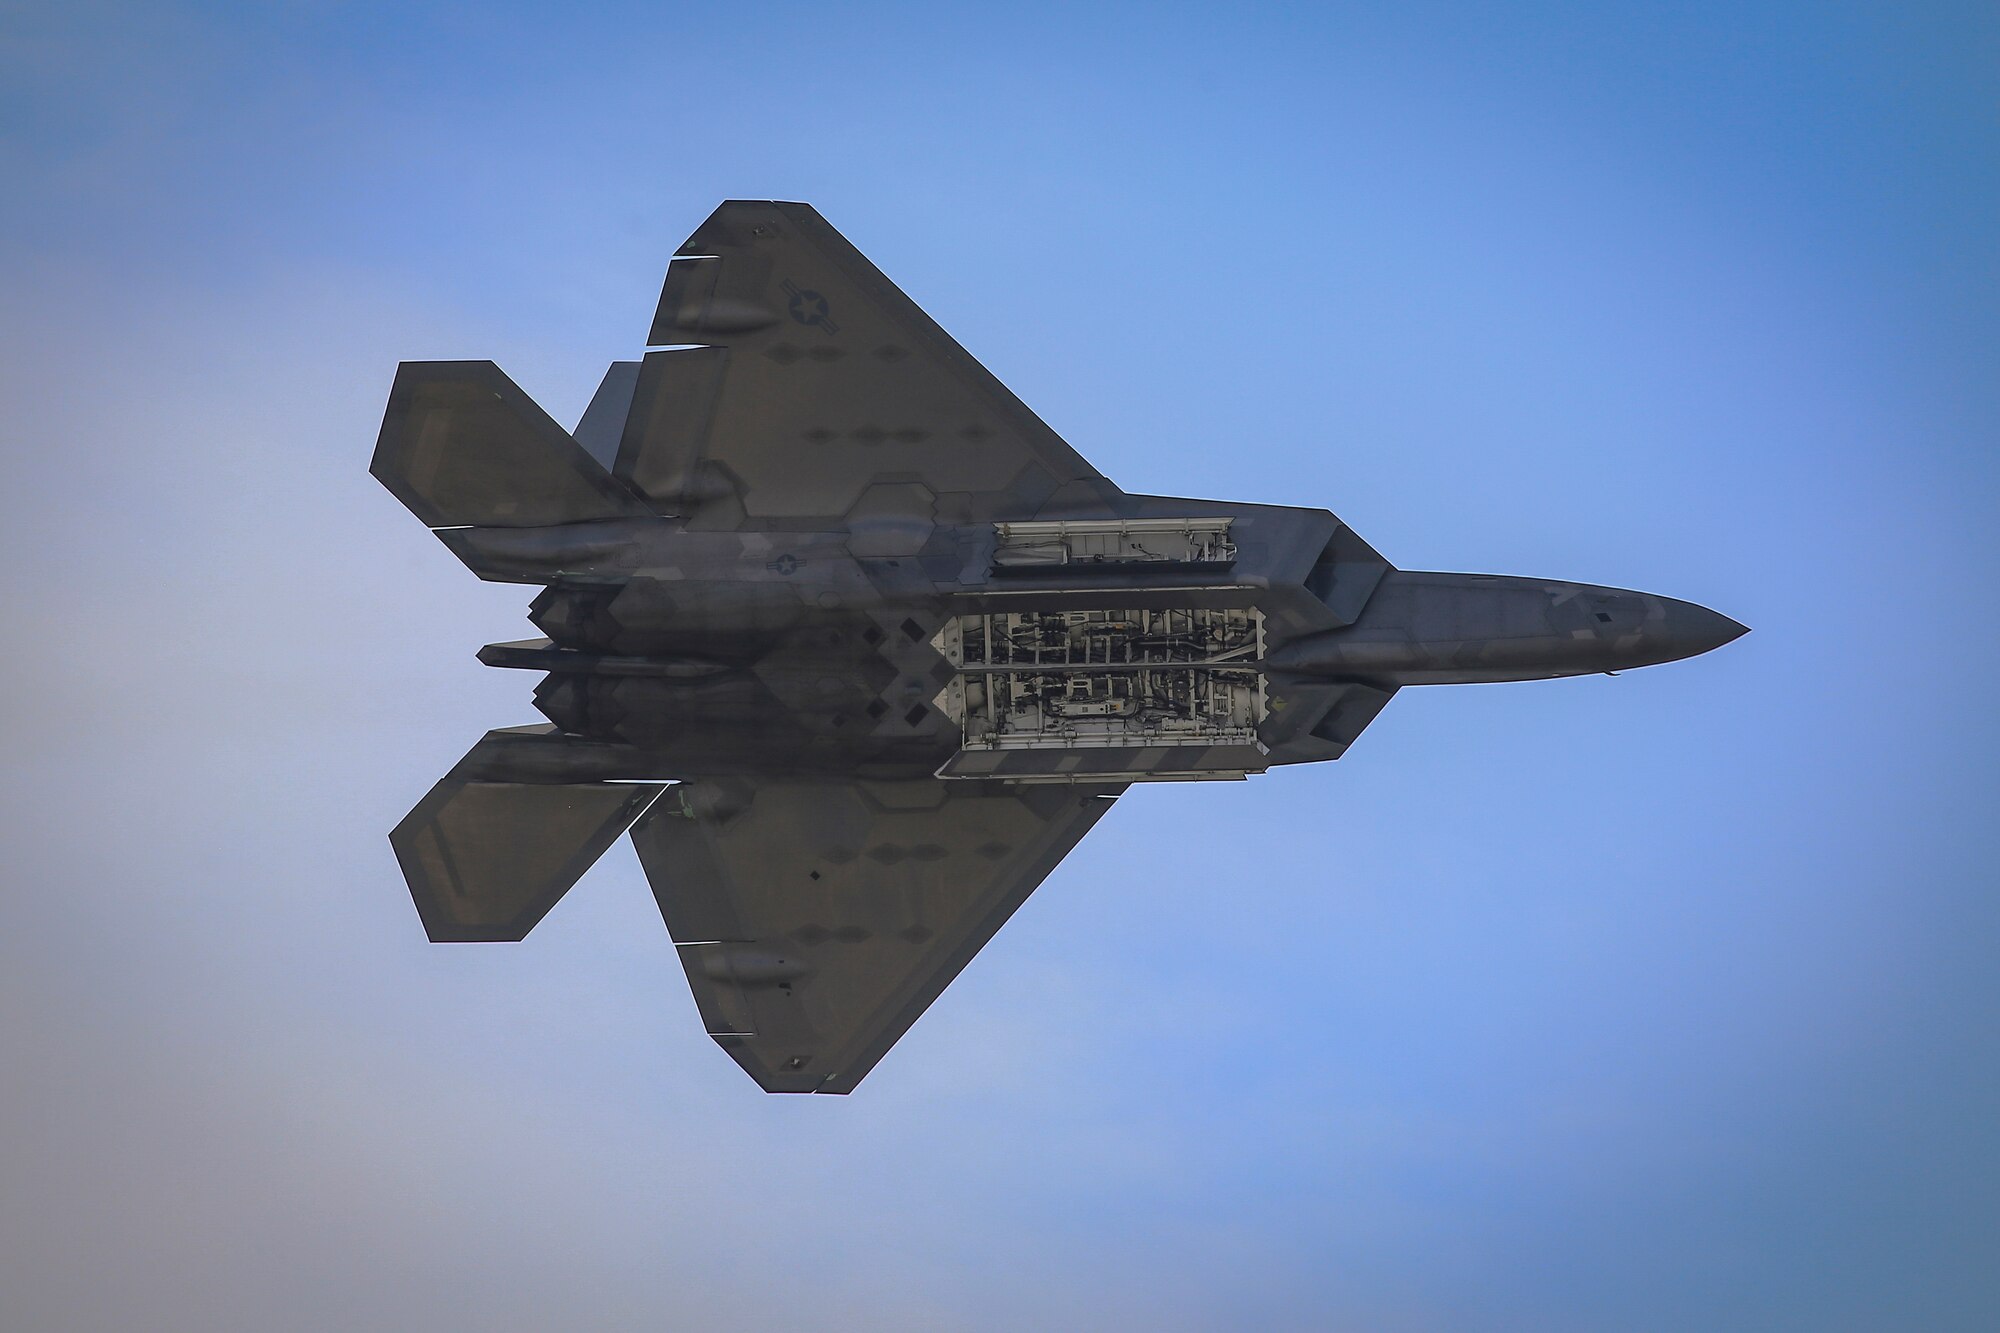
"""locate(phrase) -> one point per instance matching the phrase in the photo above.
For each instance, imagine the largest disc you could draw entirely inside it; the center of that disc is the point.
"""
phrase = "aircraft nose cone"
(1691, 630)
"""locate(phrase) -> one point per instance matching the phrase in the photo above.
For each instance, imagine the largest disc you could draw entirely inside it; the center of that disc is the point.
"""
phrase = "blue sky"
(1658, 1002)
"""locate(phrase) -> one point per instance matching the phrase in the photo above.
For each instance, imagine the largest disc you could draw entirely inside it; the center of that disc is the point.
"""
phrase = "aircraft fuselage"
(724, 652)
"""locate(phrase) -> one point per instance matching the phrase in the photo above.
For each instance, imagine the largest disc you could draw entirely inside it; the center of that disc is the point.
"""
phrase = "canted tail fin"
(463, 446)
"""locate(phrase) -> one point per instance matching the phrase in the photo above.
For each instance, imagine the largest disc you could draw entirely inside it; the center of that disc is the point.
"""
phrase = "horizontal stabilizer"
(487, 859)
(462, 445)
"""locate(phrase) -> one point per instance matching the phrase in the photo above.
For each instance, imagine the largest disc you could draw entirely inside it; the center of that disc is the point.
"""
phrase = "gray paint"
(757, 552)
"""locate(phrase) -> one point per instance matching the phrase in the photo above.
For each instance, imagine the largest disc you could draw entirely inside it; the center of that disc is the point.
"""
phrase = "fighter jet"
(858, 649)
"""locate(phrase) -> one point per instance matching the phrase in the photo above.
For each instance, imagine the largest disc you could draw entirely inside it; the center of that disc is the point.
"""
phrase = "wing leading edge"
(800, 376)
(818, 920)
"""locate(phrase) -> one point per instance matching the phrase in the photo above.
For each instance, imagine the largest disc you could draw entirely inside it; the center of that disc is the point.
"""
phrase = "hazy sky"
(1664, 1002)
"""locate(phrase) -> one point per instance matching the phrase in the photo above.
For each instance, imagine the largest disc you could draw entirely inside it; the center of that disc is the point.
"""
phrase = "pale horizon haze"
(1659, 1002)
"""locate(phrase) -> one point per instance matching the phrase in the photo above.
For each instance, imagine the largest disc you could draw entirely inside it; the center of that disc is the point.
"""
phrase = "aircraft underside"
(857, 648)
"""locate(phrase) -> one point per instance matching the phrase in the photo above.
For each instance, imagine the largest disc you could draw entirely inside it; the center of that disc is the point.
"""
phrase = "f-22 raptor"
(858, 648)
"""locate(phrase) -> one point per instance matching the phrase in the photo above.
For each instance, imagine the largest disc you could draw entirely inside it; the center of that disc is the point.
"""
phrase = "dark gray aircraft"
(858, 648)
